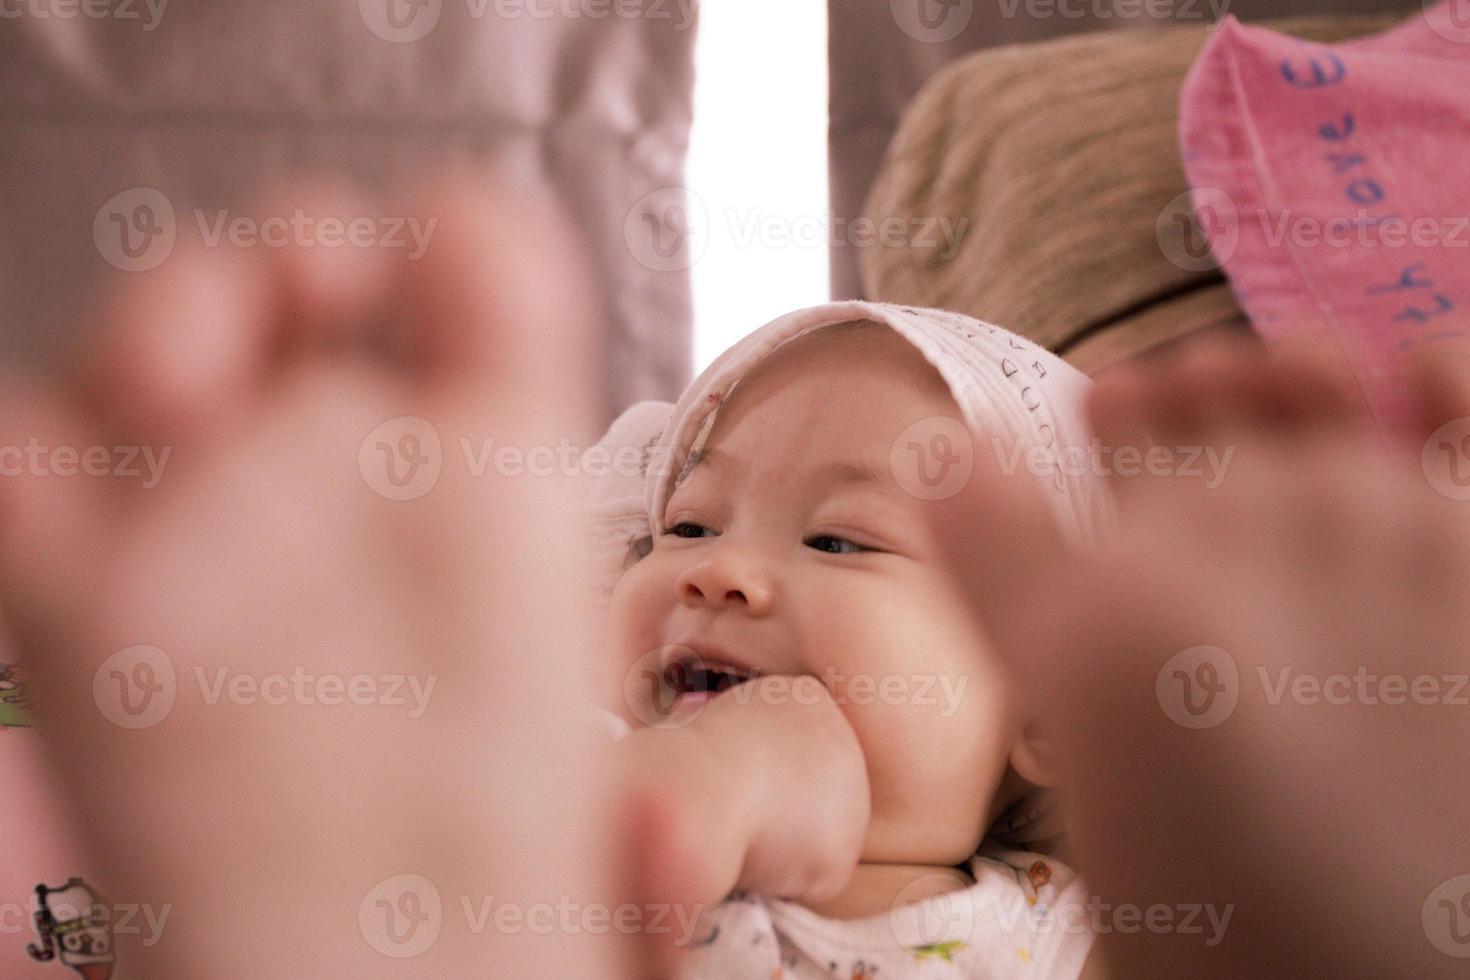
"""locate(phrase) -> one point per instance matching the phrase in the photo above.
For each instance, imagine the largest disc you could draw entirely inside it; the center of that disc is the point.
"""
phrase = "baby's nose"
(697, 594)
(727, 580)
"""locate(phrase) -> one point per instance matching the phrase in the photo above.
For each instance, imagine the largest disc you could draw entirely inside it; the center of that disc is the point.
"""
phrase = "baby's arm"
(771, 782)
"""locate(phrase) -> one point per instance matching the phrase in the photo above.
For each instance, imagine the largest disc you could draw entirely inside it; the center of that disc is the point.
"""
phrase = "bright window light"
(758, 166)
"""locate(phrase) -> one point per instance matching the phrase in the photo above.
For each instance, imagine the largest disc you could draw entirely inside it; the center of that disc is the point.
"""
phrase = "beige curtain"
(200, 107)
(882, 51)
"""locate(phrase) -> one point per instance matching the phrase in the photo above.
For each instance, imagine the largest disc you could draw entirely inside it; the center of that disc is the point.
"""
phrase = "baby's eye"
(834, 545)
(688, 529)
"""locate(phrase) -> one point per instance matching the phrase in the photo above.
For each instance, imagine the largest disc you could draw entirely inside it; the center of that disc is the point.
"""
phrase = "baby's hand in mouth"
(771, 773)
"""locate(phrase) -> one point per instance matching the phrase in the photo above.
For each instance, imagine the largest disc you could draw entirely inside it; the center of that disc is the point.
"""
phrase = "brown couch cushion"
(1063, 157)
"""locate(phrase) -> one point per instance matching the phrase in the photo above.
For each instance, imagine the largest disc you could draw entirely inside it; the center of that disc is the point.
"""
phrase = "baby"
(265, 547)
(803, 665)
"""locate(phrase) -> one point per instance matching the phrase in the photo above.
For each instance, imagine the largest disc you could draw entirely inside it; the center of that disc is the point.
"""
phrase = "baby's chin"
(924, 823)
(918, 842)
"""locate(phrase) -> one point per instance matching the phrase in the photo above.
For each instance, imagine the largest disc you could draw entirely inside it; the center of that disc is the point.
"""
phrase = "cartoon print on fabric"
(938, 951)
(73, 926)
(14, 698)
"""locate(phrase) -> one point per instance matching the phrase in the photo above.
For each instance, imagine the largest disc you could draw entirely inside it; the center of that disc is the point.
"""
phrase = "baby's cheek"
(933, 766)
(634, 620)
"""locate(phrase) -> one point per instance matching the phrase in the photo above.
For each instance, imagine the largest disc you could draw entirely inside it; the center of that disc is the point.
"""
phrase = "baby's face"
(792, 548)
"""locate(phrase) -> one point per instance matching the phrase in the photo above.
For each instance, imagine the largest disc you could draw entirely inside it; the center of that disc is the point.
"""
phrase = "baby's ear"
(1032, 757)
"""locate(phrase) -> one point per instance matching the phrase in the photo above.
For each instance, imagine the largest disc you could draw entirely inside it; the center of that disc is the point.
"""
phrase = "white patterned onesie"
(1023, 917)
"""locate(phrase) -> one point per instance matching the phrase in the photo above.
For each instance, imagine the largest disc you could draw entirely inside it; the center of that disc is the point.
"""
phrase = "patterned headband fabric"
(1016, 397)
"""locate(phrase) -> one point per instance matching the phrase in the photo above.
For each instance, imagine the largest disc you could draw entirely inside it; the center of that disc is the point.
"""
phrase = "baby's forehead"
(858, 354)
(852, 345)
(831, 403)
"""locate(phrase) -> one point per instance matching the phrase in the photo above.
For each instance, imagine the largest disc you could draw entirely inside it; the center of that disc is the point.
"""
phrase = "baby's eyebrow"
(854, 473)
(695, 458)
(712, 456)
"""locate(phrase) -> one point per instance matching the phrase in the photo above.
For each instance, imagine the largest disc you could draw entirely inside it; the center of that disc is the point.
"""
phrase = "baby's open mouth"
(694, 678)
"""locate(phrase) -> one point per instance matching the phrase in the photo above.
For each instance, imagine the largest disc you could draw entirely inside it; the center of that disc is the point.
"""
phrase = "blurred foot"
(308, 677)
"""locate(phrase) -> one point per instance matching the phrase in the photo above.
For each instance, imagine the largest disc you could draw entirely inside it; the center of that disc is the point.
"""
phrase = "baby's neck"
(874, 887)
